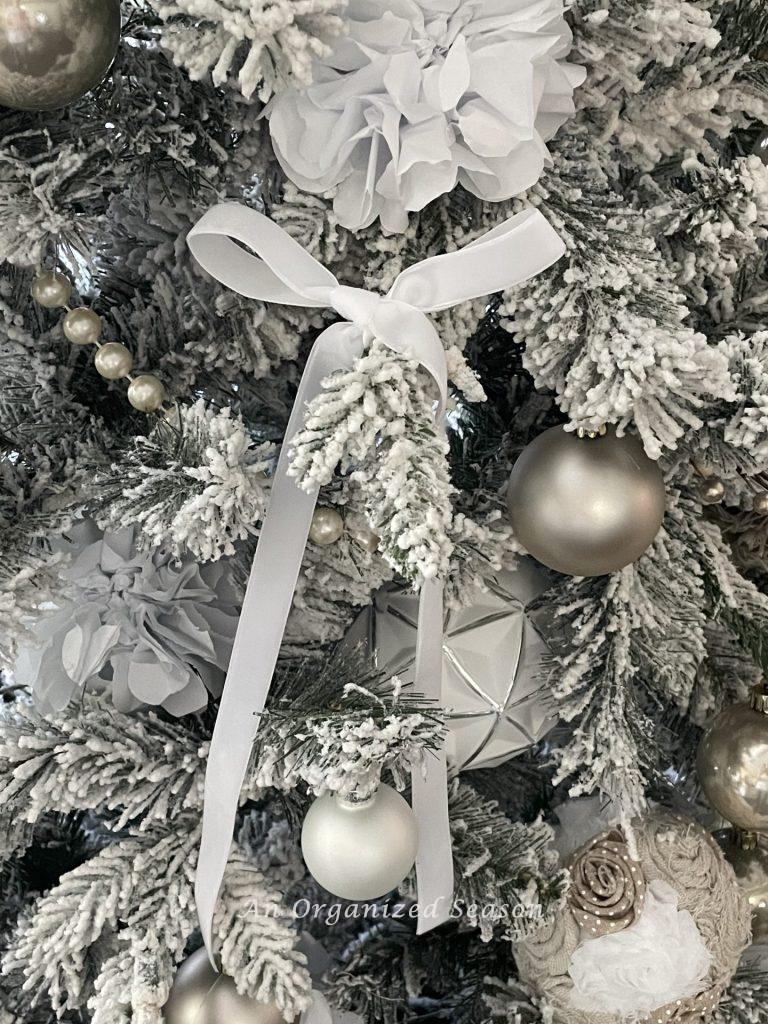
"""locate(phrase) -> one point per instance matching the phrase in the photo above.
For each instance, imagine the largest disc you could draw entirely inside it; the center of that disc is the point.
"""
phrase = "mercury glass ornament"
(732, 764)
(52, 52)
(201, 996)
(711, 490)
(747, 853)
(82, 326)
(760, 503)
(146, 393)
(493, 663)
(113, 361)
(51, 290)
(585, 506)
(360, 850)
(327, 527)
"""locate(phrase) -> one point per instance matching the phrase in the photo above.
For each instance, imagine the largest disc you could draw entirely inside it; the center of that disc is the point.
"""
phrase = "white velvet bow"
(279, 269)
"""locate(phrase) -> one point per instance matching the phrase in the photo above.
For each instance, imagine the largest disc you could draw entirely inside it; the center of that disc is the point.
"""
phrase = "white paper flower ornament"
(422, 95)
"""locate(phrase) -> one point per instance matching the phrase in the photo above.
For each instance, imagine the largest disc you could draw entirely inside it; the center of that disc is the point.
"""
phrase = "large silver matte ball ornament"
(360, 850)
(732, 765)
(494, 663)
(585, 506)
(52, 52)
(201, 996)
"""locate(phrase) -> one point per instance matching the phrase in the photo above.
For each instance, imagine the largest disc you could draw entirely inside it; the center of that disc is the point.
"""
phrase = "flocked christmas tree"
(143, 408)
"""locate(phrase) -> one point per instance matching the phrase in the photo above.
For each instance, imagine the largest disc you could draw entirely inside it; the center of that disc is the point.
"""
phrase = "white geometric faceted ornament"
(494, 681)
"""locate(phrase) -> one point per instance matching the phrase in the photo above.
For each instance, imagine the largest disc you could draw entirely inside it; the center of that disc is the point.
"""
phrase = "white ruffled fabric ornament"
(422, 95)
(659, 959)
(144, 627)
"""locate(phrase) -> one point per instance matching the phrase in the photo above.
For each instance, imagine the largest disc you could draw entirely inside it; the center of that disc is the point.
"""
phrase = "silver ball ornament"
(82, 326)
(360, 850)
(748, 856)
(52, 52)
(146, 393)
(51, 290)
(732, 765)
(200, 995)
(327, 527)
(113, 361)
(585, 506)
(760, 503)
(711, 490)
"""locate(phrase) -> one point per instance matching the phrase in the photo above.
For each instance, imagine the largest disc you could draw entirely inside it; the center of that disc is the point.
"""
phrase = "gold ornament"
(732, 764)
(760, 503)
(113, 361)
(146, 393)
(52, 52)
(82, 326)
(747, 853)
(201, 996)
(711, 490)
(327, 527)
(585, 506)
(51, 290)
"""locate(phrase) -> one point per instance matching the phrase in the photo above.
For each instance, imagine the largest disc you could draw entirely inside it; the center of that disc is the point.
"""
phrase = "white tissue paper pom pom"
(659, 959)
(423, 94)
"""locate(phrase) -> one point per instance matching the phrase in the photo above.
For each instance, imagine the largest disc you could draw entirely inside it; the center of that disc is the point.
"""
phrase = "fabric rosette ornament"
(143, 626)
(651, 939)
(422, 95)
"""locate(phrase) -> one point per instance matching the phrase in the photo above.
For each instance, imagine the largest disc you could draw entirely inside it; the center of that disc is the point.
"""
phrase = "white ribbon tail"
(266, 606)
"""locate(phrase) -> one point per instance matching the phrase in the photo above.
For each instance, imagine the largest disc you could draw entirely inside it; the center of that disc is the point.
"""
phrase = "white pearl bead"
(360, 851)
(51, 290)
(327, 527)
(113, 361)
(82, 326)
(364, 537)
(146, 393)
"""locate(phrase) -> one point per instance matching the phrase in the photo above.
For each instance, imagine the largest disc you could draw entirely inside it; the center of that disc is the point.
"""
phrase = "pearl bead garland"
(82, 326)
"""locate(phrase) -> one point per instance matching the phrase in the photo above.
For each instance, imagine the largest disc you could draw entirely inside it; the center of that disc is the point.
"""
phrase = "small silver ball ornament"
(51, 290)
(327, 527)
(113, 361)
(82, 326)
(52, 52)
(360, 850)
(585, 506)
(201, 996)
(711, 490)
(760, 503)
(146, 393)
(732, 764)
